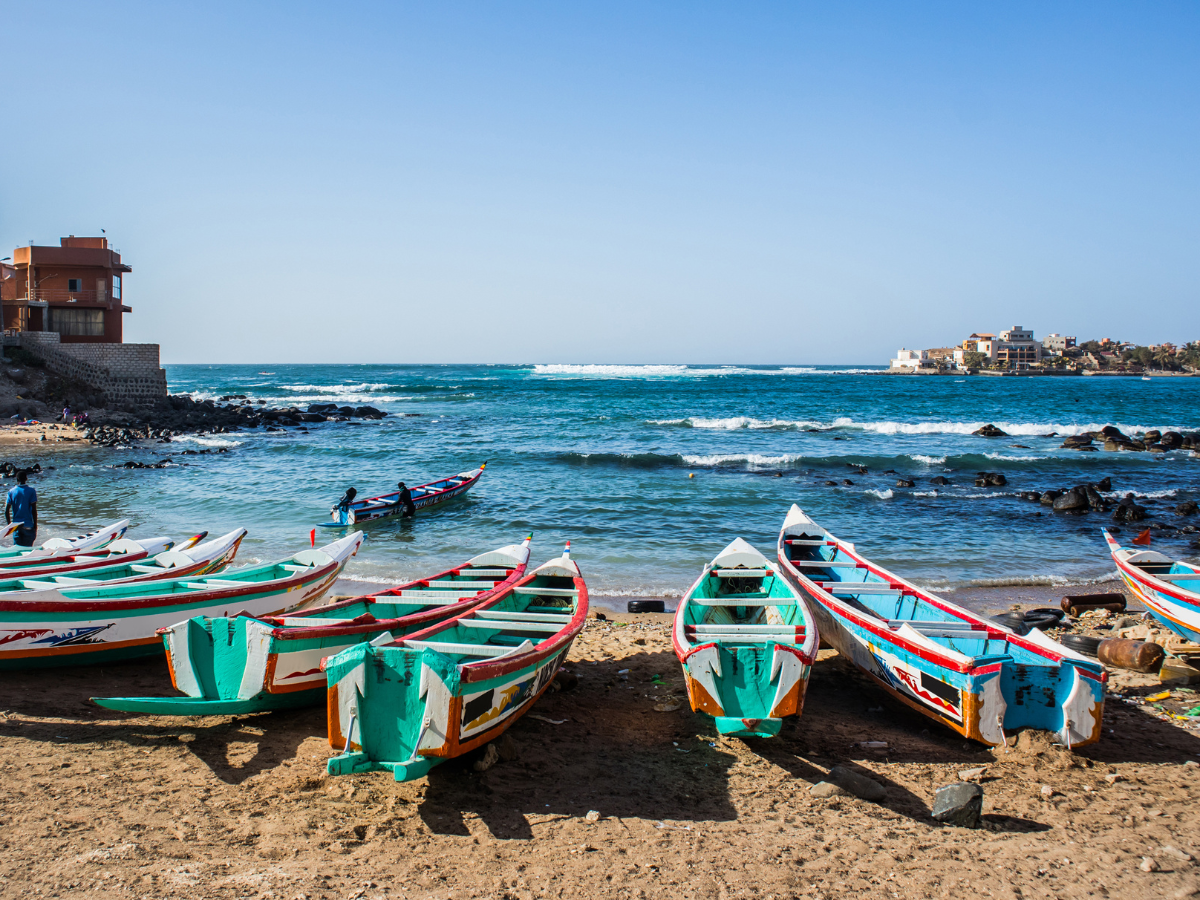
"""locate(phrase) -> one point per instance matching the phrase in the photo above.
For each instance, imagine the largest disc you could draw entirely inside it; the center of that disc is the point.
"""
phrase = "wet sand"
(105, 804)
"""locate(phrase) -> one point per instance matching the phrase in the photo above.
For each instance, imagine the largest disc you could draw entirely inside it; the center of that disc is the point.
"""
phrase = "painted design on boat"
(970, 674)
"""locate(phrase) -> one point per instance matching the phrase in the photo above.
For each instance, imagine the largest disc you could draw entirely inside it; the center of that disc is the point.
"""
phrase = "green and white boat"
(747, 640)
(243, 664)
(100, 623)
(127, 560)
(62, 548)
(406, 706)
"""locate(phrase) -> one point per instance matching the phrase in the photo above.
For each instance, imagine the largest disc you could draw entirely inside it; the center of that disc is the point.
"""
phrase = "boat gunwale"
(467, 604)
(486, 669)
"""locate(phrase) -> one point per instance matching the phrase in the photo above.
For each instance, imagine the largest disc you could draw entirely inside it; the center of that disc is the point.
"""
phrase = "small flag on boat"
(567, 550)
(1143, 538)
(312, 538)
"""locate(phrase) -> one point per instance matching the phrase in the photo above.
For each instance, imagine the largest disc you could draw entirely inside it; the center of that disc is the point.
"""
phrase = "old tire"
(1012, 620)
(647, 606)
(1081, 643)
(1043, 617)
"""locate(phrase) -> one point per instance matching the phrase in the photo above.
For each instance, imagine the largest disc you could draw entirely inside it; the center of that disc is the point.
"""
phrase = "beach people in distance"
(405, 500)
(22, 509)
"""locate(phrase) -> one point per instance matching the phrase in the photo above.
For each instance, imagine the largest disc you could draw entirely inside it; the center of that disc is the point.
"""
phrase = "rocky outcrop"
(990, 430)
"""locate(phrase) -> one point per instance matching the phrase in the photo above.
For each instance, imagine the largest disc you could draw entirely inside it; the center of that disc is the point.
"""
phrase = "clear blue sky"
(613, 182)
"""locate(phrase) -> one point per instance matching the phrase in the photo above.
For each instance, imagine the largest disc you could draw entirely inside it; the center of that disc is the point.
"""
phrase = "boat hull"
(66, 632)
(1036, 683)
(366, 511)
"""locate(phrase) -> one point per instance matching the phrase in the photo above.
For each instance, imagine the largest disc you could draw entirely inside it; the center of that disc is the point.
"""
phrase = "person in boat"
(405, 500)
(347, 499)
(22, 509)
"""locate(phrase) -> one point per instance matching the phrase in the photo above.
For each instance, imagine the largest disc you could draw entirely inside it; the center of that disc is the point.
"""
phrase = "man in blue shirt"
(22, 509)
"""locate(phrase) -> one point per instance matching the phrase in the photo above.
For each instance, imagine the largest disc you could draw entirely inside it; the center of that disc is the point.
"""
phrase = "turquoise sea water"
(601, 455)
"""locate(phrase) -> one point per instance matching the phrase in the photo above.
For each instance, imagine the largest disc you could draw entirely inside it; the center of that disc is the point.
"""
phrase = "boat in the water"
(973, 675)
(147, 560)
(243, 664)
(57, 548)
(357, 512)
(101, 623)
(1169, 588)
(406, 706)
(747, 639)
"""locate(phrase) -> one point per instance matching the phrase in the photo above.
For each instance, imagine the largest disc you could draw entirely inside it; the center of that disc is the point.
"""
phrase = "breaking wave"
(928, 460)
(205, 441)
(885, 494)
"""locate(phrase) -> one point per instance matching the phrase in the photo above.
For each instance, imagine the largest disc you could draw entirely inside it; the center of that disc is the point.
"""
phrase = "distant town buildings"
(73, 289)
(1017, 348)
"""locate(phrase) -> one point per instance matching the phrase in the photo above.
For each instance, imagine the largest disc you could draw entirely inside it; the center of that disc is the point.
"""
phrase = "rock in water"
(1072, 499)
(1187, 508)
(859, 785)
(959, 804)
(904, 482)
(1049, 497)
(990, 430)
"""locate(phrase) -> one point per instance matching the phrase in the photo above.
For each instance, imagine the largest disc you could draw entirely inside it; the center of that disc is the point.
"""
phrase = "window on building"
(116, 287)
(79, 322)
(74, 285)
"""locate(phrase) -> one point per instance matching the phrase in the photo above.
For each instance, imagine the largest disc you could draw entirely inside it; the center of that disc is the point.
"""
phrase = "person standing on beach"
(22, 509)
(405, 500)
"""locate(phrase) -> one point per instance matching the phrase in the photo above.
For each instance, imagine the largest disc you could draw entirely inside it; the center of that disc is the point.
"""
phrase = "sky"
(772, 183)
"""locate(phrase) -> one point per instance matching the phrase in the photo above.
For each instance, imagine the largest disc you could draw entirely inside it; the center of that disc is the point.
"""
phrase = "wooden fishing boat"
(972, 675)
(100, 623)
(425, 496)
(747, 640)
(228, 666)
(121, 552)
(137, 565)
(56, 548)
(443, 691)
(1169, 588)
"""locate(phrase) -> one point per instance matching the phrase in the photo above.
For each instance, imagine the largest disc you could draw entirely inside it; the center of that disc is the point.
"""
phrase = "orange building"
(74, 289)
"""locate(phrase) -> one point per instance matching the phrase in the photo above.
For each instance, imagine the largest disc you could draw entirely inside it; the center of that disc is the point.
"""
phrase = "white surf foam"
(885, 494)
(205, 440)
(736, 423)
(753, 460)
(928, 460)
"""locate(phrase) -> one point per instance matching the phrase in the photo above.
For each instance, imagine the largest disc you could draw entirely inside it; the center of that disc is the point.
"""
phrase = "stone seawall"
(128, 374)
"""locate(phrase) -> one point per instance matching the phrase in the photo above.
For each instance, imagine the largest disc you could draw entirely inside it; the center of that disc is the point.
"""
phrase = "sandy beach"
(105, 804)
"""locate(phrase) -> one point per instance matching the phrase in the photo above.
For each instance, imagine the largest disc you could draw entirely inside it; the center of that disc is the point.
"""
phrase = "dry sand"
(105, 804)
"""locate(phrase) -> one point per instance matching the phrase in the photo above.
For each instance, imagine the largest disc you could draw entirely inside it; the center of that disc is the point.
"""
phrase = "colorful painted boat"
(56, 548)
(406, 706)
(747, 639)
(425, 496)
(1170, 589)
(968, 673)
(121, 552)
(96, 624)
(135, 565)
(228, 666)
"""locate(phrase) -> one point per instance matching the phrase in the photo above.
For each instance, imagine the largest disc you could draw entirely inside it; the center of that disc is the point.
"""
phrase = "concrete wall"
(128, 374)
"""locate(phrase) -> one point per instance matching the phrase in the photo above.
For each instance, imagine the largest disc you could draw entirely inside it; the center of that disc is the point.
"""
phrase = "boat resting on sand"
(102, 623)
(443, 691)
(229, 666)
(57, 548)
(747, 639)
(972, 675)
(169, 562)
(1169, 588)
(434, 493)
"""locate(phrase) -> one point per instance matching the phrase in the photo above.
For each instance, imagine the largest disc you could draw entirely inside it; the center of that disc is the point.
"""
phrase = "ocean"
(650, 470)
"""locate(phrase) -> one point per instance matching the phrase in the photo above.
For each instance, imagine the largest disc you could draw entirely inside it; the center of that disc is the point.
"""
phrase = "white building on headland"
(913, 359)
(1055, 344)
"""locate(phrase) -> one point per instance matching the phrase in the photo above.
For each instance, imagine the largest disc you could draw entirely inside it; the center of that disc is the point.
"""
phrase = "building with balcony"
(74, 289)
(912, 360)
